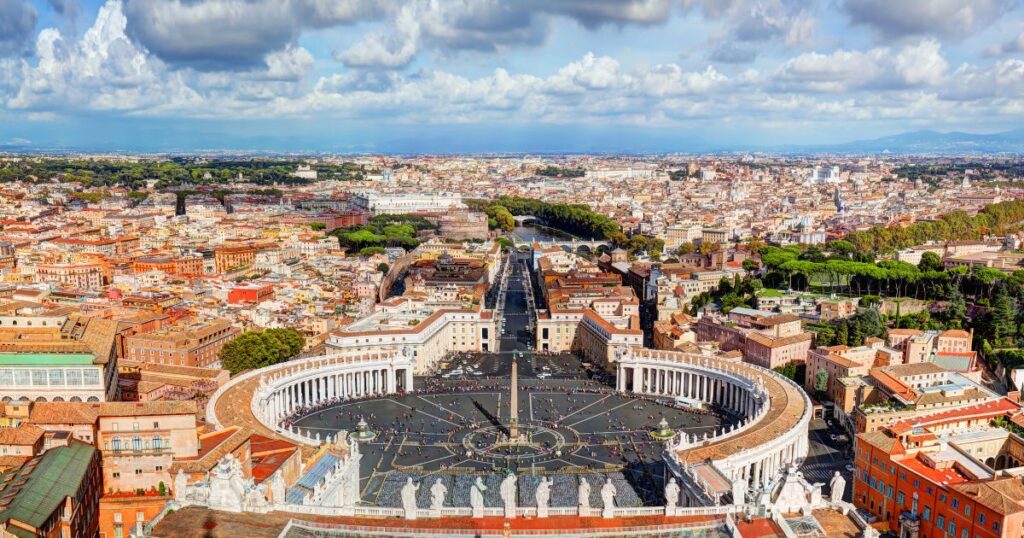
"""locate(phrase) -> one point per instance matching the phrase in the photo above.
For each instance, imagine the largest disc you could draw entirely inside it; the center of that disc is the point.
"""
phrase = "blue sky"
(502, 75)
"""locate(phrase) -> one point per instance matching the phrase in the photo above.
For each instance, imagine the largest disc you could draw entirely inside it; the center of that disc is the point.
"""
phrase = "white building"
(379, 203)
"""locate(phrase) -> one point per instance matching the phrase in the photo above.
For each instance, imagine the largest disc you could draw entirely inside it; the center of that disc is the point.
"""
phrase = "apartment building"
(187, 343)
(944, 478)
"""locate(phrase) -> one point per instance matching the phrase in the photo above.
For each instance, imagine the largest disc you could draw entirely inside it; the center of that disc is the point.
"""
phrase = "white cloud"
(915, 65)
(947, 18)
(106, 70)
(921, 64)
(1003, 80)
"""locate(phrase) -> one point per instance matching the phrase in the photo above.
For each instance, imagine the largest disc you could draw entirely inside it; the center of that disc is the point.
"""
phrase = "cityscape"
(297, 269)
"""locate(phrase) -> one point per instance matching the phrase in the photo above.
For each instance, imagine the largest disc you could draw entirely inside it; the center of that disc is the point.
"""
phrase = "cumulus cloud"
(920, 64)
(1004, 79)
(114, 69)
(755, 21)
(487, 26)
(235, 34)
(945, 18)
(17, 22)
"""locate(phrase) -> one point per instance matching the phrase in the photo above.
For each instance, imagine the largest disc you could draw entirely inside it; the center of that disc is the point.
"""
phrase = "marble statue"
(180, 486)
(476, 497)
(608, 497)
(583, 497)
(838, 485)
(227, 487)
(409, 498)
(508, 495)
(437, 494)
(671, 496)
(739, 492)
(543, 496)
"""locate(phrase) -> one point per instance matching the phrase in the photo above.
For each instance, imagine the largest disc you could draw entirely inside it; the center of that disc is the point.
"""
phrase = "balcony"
(129, 451)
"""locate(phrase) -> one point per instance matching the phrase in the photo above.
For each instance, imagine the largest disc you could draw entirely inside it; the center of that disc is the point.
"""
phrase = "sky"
(502, 75)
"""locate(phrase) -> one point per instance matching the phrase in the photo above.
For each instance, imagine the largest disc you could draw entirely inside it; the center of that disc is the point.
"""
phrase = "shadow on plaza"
(495, 421)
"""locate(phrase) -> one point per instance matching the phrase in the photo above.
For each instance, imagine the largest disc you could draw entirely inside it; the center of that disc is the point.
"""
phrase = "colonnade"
(677, 382)
(310, 387)
(737, 387)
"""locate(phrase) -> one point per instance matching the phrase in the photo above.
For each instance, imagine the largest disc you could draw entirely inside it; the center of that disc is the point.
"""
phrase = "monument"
(513, 423)
(838, 486)
(437, 494)
(409, 498)
(608, 493)
(476, 497)
(671, 496)
(543, 496)
(583, 497)
(508, 495)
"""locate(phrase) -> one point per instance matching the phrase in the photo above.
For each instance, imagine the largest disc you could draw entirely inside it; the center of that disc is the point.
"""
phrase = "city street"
(825, 456)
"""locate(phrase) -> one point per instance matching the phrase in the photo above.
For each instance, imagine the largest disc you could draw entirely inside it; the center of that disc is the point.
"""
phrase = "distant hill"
(926, 142)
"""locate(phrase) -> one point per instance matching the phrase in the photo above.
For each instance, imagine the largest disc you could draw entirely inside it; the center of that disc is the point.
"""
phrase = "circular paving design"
(578, 430)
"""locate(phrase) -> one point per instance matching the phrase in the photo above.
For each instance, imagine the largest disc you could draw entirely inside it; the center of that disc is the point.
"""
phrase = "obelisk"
(513, 423)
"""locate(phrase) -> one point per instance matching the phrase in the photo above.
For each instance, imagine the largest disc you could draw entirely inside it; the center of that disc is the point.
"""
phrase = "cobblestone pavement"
(571, 425)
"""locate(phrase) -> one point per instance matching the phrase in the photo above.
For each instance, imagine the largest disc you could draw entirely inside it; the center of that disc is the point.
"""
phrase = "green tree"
(258, 349)
(1003, 318)
(930, 261)
(843, 334)
(821, 381)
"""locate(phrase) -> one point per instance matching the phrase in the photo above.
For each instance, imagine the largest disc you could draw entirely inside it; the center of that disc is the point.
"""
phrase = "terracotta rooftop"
(200, 522)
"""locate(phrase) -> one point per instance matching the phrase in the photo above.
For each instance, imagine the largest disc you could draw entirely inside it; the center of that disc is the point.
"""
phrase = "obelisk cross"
(513, 423)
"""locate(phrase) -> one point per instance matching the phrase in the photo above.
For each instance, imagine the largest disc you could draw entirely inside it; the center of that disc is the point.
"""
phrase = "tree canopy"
(258, 349)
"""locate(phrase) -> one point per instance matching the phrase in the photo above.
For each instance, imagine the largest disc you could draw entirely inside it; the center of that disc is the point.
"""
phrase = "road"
(825, 456)
(517, 315)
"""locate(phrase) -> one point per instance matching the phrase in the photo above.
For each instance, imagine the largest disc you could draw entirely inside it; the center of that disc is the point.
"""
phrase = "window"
(952, 528)
(995, 526)
(981, 518)
(117, 474)
(941, 522)
(138, 472)
(927, 514)
(899, 498)
(967, 509)
(117, 517)
(956, 503)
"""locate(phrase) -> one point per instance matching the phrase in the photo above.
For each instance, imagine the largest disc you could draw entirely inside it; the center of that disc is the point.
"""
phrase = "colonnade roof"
(786, 406)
